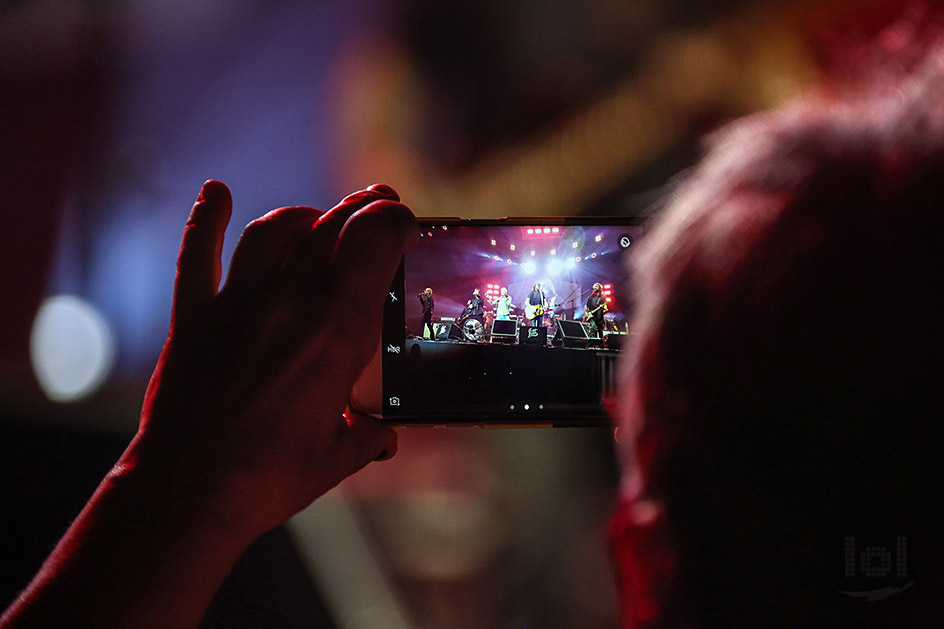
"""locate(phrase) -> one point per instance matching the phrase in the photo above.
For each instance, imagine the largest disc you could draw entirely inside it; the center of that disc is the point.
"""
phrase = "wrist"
(178, 490)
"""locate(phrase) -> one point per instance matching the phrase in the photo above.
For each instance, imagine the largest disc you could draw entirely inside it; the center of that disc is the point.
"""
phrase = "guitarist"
(537, 304)
(595, 307)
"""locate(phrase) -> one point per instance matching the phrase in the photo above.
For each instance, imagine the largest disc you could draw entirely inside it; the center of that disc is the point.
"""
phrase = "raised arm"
(243, 422)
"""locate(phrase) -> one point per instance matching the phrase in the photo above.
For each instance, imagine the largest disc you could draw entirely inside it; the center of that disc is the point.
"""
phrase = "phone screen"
(508, 322)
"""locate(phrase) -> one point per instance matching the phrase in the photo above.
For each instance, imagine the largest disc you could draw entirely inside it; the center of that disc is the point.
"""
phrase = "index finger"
(368, 254)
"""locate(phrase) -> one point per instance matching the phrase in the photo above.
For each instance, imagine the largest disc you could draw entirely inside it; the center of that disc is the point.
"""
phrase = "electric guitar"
(536, 311)
(589, 313)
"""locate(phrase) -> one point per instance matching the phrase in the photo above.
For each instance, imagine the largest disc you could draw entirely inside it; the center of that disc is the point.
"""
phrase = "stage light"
(606, 286)
(530, 230)
(547, 230)
(593, 255)
(575, 244)
(554, 267)
(493, 242)
(529, 267)
(577, 259)
(553, 252)
(555, 230)
(570, 263)
(512, 246)
(532, 252)
(429, 234)
(71, 348)
(599, 237)
(445, 228)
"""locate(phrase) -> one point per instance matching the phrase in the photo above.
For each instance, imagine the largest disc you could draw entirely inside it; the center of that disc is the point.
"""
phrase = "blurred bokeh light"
(71, 348)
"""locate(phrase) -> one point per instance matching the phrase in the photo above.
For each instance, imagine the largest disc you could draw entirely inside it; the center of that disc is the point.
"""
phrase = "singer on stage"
(426, 300)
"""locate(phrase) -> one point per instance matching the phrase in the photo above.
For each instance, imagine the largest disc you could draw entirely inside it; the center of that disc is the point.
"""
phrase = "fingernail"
(203, 191)
(210, 188)
(385, 190)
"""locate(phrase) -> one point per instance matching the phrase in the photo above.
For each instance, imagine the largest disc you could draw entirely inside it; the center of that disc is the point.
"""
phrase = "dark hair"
(786, 385)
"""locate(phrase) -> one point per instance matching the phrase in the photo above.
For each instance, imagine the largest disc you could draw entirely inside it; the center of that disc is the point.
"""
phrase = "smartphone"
(504, 322)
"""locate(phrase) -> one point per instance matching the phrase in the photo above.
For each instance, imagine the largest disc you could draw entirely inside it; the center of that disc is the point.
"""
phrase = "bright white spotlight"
(529, 267)
(554, 267)
(71, 348)
(571, 263)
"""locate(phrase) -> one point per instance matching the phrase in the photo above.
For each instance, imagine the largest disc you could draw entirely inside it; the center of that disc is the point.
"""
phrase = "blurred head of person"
(782, 418)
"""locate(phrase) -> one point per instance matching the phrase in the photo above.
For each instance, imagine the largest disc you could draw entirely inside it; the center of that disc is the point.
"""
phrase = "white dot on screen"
(527, 407)
(71, 348)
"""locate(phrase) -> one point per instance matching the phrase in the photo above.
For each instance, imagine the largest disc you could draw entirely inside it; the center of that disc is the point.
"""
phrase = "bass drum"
(473, 330)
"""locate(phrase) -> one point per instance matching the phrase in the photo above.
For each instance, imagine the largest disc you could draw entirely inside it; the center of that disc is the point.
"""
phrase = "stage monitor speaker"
(504, 331)
(571, 334)
(449, 331)
(532, 336)
(614, 340)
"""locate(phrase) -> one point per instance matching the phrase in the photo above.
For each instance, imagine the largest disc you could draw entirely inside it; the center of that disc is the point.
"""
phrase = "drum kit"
(477, 331)
(473, 330)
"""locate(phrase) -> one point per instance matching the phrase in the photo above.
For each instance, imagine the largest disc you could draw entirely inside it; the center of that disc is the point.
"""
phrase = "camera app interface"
(522, 324)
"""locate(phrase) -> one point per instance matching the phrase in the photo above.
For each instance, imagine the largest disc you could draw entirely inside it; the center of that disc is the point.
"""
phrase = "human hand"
(243, 414)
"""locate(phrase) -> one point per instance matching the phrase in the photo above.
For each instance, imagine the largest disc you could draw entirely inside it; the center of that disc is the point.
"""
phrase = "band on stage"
(480, 312)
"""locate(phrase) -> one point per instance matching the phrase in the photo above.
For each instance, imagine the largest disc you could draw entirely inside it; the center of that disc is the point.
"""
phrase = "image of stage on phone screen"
(497, 323)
